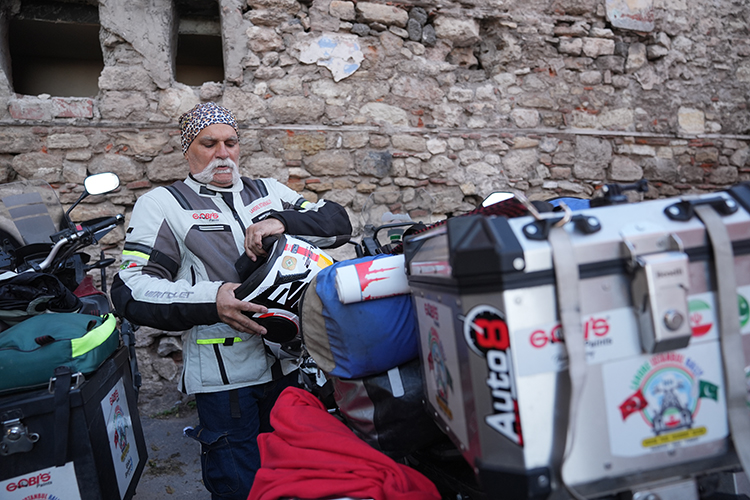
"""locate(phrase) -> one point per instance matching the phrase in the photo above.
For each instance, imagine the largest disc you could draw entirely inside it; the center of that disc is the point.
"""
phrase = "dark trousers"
(230, 422)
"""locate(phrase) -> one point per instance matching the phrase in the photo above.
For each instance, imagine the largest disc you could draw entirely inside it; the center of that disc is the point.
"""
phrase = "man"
(178, 273)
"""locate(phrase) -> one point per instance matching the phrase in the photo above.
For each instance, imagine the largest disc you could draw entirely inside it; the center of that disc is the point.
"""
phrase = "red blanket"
(311, 454)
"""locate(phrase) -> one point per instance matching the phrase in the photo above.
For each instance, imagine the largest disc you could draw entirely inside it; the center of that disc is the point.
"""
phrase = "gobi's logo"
(486, 333)
(668, 393)
(440, 372)
(38, 480)
(595, 331)
(206, 216)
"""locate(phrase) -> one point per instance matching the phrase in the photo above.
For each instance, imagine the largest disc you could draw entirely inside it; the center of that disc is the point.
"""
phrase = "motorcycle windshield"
(29, 212)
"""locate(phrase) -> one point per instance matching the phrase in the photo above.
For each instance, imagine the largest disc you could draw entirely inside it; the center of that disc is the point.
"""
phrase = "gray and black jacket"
(181, 246)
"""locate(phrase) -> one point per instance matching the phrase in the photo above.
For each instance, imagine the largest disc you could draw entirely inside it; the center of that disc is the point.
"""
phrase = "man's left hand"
(255, 234)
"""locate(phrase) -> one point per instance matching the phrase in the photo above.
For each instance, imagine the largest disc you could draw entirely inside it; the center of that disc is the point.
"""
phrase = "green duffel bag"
(31, 350)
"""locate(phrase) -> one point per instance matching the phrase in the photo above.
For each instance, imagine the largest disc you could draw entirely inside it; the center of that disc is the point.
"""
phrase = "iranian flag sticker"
(701, 317)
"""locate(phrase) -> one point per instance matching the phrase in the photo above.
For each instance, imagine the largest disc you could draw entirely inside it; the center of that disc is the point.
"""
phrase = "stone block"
(375, 163)
(409, 142)
(462, 32)
(74, 171)
(165, 367)
(595, 47)
(296, 109)
(691, 121)
(617, 119)
(436, 146)
(523, 142)
(72, 107)
(459, 94)
(167, 168)
(518, 163)
(330, 163)
(623, 169)
(342, 10)
(570, 46)
(78, 155)
(437, 166)
(42, 166)
(30, 109)
(168, 345)
(637, 57)
(743, 72)
(414, 30)
(18, 140)
(723, 175)
(123, 77)
(740, 157)
(369, 12)
(127, 168)
(592, 157)
(266, 17)
(67, 141)
(115, 105)
(384, 112)
(591, 78)
(656, 52)
(463, 57)
(658, 169)
(264, 165)
(263, 39)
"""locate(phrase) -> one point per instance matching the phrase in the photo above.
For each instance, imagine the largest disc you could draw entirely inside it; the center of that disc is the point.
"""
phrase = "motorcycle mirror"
(101, 183)
(104, 182)
(497, 197)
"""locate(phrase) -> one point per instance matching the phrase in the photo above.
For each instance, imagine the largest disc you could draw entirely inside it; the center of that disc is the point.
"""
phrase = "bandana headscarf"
(200, 117)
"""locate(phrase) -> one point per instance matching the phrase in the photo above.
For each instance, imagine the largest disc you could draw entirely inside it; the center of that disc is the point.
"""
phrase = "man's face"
(215, 142)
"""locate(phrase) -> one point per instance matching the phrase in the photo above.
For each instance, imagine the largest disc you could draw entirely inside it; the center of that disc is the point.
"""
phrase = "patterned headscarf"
(200, 117)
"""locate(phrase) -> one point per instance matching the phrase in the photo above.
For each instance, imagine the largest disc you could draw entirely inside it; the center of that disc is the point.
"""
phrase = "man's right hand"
(231, 309)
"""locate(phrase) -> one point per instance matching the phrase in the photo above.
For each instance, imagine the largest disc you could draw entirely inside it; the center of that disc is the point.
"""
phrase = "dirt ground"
(173, 469)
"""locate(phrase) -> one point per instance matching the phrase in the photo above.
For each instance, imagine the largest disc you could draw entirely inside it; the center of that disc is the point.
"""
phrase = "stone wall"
(412, 106)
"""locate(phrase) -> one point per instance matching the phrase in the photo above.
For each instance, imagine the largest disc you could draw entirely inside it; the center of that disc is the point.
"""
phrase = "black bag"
(27, 294)
(386, 410)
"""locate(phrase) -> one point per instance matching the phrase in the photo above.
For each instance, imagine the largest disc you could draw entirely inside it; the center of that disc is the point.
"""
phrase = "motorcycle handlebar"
(103, 224)
(86, 231)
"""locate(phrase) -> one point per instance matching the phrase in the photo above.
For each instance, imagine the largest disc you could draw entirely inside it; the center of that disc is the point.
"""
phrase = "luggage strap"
(569, 310)
(62, 413)
(729, 332)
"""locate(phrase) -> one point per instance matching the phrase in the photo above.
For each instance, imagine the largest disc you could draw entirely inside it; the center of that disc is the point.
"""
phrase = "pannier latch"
(16, 438)
(659, 288)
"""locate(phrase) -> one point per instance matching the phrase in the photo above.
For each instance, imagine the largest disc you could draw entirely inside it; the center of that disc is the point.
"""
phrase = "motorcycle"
(69, 374)
(527, 423)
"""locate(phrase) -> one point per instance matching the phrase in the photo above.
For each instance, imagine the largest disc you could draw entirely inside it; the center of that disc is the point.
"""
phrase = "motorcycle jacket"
(182, 244)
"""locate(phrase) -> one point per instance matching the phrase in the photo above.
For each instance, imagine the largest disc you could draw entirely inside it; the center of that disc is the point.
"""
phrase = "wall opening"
(55, 50)
(200, 57)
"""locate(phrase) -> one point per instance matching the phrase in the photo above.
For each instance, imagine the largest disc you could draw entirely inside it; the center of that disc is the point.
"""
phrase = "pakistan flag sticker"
(744, 308)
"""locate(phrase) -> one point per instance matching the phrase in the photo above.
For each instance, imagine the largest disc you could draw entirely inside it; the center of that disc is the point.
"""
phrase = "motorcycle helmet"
(278, 282)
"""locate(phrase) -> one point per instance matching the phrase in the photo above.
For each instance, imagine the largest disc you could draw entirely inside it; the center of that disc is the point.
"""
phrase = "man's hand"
(255, 234)
(230, 310)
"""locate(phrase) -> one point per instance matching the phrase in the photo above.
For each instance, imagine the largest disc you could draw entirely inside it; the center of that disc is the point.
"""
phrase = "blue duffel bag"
(358, 339)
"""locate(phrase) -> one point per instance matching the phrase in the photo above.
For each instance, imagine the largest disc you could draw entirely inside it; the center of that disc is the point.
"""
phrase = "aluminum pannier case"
(645, 394)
